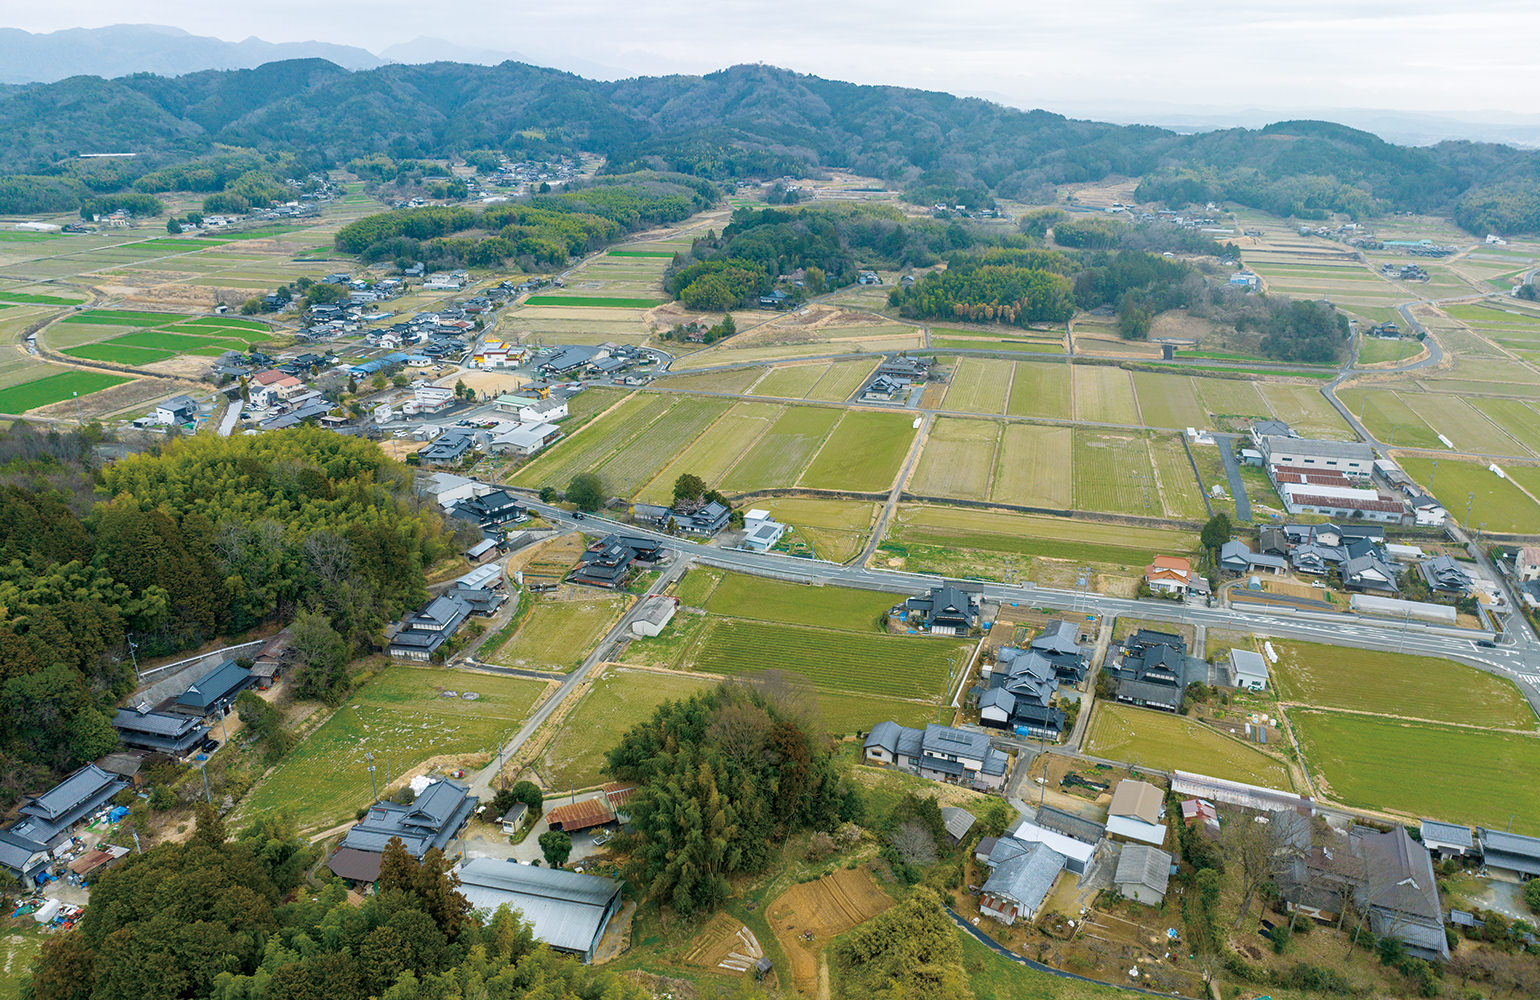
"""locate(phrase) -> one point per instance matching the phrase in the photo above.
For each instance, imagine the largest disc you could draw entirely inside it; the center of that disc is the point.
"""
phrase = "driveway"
(1233, 474)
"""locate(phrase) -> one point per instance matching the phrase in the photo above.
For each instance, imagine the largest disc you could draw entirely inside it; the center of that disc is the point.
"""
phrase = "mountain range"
(122, 49)
(754, 121)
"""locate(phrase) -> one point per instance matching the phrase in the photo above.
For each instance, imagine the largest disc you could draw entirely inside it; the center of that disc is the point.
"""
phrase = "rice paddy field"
(1041, 390)
(1303, 408)
(1365, 761)
(775, 457)
(863, 453)
(917, 528)
(711, 455)
(1113, 473)
(404, 716)
(1105, 395)
(1033, 467)
(979, 385)
(959, 459)
(1059, 468)
(1392, 684)
(1147, 738)
(1389, 418)
(1375, 351)
(1495, 502)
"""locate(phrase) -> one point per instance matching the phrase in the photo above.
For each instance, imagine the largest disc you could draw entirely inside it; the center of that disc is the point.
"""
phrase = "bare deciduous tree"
(914, 844)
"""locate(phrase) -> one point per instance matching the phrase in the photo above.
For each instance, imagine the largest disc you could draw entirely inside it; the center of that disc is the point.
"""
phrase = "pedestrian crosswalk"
(1529, 678)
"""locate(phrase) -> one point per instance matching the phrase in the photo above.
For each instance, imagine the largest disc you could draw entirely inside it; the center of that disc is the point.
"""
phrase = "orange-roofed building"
(1170, 575)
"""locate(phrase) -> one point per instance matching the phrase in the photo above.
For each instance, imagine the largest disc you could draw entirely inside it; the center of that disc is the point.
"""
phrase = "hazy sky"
(1469, 55)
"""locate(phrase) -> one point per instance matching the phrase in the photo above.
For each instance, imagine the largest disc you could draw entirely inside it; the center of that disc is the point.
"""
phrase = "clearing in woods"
(806, 916)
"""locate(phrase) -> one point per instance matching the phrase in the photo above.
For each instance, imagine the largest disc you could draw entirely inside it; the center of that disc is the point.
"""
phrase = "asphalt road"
(1517, 659)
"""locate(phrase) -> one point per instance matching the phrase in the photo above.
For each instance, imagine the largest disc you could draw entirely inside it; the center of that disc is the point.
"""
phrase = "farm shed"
(1446, 840)
(1135, 813)
(958, 823)
(655, 613)
(1142, 873)
(1509, 854)
(567, 910)
(583, 815)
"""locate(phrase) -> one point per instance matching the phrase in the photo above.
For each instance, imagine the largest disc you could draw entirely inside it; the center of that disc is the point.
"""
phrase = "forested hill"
(756, 121)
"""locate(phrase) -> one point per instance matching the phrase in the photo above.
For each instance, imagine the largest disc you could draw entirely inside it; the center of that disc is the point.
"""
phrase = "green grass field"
(863, 454)
(1373, 350)
(54, 388)
(598, 301)
(403, 717)
(121, 317)
(782, 452)
(1035, 535)
(1391, 684)
(836, 529)
(742, 596)
(1497, 502)
(884, 665)
(32, 299)
(618, 700)
(1442, 772)
(557, 635)
(1148, 738)
(120, 354)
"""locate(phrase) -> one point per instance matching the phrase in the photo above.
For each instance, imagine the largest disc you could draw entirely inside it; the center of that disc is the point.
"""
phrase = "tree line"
(545, 229)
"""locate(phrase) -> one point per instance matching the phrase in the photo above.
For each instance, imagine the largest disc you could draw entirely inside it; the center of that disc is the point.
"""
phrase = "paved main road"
(1518, 658)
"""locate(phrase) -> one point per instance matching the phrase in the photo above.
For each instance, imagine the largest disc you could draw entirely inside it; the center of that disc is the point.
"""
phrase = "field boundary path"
(886, 514)
(1233, 473)
(481, 783)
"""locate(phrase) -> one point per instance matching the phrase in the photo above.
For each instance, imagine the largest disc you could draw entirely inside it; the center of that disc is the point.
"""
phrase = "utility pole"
(203, 769)
(132, 646)
(1470, 498)
(373, 788)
